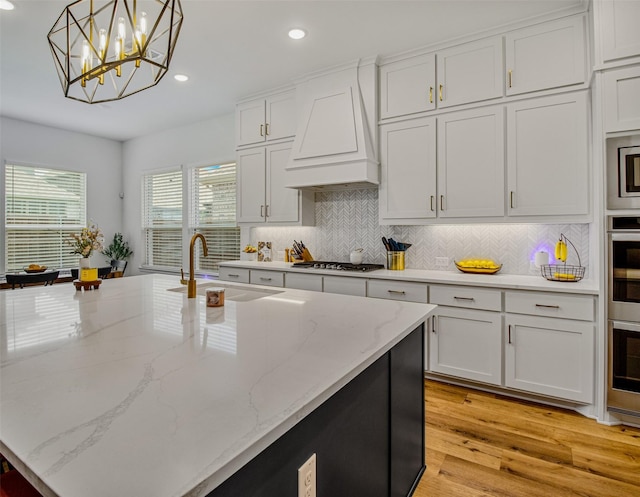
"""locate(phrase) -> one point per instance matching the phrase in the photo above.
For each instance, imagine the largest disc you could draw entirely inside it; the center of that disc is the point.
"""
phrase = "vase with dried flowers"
(90, 239)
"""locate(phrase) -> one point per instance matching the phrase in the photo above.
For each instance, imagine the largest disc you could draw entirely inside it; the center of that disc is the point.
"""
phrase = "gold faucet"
(191, 284)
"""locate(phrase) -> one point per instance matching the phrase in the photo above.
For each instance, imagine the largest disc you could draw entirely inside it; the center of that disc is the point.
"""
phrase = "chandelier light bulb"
(143, 23)
(122, 30)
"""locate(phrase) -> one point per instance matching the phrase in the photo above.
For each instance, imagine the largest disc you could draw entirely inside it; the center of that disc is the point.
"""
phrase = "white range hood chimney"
(335, 144)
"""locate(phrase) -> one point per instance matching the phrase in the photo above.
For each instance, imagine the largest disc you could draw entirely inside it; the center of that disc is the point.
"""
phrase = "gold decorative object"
(107, 49)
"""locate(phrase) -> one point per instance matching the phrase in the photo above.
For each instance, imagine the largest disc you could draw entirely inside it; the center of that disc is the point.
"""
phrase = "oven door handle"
(625, 237)
(626, 326)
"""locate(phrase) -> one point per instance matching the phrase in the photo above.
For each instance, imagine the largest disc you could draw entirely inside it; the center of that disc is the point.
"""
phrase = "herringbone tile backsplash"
(346, 220)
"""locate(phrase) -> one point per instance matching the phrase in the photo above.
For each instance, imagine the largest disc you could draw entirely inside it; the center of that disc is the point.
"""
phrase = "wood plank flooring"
(485, 445)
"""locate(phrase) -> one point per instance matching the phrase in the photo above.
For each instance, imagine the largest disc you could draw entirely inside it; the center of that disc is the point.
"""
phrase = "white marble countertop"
(135, 390)
(506, 281)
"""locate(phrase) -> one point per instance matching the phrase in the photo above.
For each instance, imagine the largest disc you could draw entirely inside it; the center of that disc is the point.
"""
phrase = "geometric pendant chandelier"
(109, 49)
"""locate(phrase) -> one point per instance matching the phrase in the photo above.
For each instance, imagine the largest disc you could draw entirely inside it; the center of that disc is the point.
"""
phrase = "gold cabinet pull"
(266, 129)
(431, 203)
(441, 202)
(262, 211)
(511, 195)
(510, 77)
(266, 211)
(431, 94)
(262, 130)
(441, 93)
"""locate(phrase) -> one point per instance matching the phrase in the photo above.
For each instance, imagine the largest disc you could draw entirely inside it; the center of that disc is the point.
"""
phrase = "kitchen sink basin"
(231, 293)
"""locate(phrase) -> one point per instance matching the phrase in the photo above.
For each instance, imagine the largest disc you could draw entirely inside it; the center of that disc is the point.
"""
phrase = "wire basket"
(562, 272)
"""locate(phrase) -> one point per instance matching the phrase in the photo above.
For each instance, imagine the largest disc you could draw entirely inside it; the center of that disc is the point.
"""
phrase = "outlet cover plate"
(442, 261)
(307, 478)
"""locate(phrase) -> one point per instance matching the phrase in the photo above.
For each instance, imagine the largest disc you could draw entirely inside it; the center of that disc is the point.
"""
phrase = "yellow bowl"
(479, 270)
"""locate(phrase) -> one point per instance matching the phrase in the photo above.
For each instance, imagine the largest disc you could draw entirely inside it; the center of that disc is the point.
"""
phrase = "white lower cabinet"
(467, 344)
(239, 275)
(398, 290)
(312, 282)
(268, 278)
(550, 356)
(345, 285)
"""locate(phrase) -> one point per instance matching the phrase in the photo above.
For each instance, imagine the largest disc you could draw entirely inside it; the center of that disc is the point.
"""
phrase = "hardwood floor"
(480, 444)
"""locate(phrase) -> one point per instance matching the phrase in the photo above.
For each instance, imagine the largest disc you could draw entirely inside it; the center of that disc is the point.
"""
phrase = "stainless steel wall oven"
(624, 314)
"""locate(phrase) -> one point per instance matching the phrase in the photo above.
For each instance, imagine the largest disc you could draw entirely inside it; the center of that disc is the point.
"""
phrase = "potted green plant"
(118, 252)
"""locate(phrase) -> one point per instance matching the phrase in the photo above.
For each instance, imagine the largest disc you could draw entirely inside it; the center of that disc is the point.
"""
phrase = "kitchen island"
(133, 389)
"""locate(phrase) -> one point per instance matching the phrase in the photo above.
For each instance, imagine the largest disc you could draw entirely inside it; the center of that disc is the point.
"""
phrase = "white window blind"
(42, 208)
(162, 219)
(213, 213)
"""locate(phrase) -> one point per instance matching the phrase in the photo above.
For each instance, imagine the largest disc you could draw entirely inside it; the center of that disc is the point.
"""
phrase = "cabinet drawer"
(581, 307)
(468, 297)
(311, 282)
(345, 285)
(398, 290)
(269, 278)
(234, 274)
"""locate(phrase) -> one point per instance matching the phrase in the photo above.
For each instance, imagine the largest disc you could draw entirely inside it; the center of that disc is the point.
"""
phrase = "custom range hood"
(335, 144)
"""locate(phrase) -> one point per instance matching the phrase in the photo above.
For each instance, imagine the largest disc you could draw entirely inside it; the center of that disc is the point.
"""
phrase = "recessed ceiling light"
(6, 5)
(297, 33)
(181, 77)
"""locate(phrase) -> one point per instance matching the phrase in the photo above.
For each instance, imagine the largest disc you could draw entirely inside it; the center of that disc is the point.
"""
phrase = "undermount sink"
(231, 293)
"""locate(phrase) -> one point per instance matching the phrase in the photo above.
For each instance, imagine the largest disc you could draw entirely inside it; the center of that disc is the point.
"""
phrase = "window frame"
(63, 230)
(189, 227)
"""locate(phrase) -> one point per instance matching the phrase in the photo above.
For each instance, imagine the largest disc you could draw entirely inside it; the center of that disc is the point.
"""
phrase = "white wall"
(27, 143)
(201, 143)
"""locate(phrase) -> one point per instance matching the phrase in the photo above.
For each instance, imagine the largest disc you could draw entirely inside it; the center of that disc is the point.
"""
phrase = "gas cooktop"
(338, 266)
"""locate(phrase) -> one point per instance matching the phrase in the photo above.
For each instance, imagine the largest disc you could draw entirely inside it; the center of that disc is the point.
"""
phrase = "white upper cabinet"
(408, 86)
(471, 163)
(467, 73)
(470, 73)
(618, 29)
(622, 99)
(262, 196)
(408, 158)
(546, 56)
(265, 119)
(547, 156)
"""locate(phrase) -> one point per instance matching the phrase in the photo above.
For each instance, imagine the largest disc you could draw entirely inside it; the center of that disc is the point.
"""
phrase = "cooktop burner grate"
(337, 266)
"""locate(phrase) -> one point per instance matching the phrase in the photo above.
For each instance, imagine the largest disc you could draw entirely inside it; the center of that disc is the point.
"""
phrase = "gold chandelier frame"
(107, 50)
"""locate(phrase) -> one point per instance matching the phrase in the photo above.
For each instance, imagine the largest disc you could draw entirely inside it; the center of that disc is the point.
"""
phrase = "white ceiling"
(231, 49)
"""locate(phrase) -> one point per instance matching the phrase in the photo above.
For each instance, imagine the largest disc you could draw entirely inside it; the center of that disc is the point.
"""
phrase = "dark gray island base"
(368, 437)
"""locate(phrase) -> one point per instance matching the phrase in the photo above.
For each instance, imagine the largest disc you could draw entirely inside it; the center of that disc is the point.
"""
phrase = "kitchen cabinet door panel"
(311, 282)
(345, 285)
(250, 122)
(622, 99)
(550, 357)
(546, 56)
(471, 163)
(281, 116)
(251, 185)
(408, 86)
(282, 203)
(619, 29)
(548, 162)
(408, 157)
(467, 344)
(470, 73)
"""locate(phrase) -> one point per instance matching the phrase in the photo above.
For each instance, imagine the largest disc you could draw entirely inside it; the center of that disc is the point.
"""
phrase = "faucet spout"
(191, 285)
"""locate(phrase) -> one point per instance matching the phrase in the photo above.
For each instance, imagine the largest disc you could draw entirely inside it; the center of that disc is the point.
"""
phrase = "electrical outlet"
(307, 478)
(442, 261)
